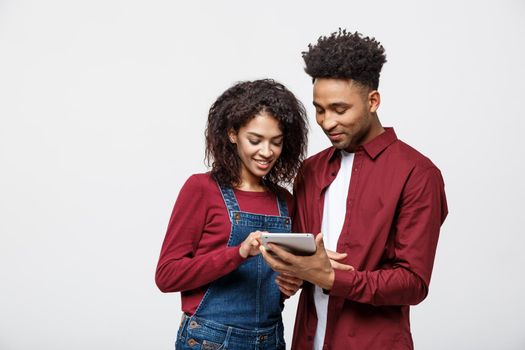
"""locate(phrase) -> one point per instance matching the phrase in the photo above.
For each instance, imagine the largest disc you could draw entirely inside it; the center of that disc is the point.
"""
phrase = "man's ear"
(232, 135)
(374, 100)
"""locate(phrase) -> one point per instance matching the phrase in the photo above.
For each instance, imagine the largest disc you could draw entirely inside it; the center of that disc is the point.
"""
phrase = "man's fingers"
(281, 253)
(289, 282)
(285, 284)
(290, 279)
(274, 262)
(286, 291)
(285, 288)
(339, 266)
(335, 255)
(287, 274)
(319, 241)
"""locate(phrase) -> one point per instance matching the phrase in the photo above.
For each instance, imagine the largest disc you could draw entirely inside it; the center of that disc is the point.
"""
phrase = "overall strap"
(229, 199)
(281, 203)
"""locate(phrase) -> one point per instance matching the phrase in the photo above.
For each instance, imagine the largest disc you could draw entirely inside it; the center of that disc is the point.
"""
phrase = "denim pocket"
(208, 345)
(197, 344)
(202, 338)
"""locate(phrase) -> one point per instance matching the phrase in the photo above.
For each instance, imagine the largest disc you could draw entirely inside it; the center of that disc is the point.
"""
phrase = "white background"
(102, 113)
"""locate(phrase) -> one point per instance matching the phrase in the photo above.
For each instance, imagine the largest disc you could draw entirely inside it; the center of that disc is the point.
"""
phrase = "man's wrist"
(328, 282)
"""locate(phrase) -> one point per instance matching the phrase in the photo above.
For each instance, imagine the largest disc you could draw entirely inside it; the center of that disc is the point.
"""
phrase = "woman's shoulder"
(200, 181)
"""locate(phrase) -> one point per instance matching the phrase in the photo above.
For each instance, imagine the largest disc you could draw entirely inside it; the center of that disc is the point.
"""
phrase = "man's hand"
(316, 269)
(288, 285)
(334, 256)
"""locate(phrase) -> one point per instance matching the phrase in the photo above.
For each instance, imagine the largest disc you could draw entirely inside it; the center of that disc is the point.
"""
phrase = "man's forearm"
(396, 286)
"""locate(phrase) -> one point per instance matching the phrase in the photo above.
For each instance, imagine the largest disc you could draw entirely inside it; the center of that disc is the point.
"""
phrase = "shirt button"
(192, 342)
(334, 173)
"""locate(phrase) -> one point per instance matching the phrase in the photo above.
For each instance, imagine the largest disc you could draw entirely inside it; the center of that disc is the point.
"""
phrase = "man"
(378, 202)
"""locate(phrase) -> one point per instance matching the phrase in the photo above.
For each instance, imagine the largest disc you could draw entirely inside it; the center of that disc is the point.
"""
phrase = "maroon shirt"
(396, 204)
(195, 252)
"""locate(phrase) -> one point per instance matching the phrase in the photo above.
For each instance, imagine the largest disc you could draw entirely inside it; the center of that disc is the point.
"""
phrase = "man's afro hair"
(345, 55)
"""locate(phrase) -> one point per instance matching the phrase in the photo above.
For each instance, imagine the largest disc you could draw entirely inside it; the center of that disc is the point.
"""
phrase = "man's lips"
(335, 136)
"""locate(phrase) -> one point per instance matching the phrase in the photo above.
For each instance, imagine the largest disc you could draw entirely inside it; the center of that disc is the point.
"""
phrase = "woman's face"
(259, 144)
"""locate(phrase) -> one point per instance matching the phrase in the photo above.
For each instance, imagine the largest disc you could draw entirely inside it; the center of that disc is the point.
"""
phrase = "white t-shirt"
(334, 212)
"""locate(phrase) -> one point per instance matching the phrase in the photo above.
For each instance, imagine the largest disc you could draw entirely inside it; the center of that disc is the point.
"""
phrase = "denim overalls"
(241, 310)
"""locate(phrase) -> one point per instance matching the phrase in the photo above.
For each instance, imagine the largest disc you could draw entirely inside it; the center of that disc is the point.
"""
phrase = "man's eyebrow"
(333, 105)
(339, 104)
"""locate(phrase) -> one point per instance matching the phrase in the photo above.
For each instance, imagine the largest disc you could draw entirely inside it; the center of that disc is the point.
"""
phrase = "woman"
(256, 139)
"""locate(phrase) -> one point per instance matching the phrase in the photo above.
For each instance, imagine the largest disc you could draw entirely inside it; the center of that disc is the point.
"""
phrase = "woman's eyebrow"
(261, 136)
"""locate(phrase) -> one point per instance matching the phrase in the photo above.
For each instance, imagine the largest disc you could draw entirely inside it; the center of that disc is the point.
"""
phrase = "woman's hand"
(250, 246)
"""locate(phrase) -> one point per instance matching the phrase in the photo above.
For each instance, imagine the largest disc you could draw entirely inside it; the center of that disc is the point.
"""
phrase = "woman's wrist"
(245, 255)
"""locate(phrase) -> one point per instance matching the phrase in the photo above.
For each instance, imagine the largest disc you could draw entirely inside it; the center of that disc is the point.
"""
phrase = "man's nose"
(328, 122)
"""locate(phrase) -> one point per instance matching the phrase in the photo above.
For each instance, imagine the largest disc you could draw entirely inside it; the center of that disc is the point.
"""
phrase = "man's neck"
(375, 130)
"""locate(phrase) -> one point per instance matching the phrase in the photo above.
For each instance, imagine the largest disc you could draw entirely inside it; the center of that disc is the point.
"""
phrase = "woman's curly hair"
(347, 56)
(236, 107)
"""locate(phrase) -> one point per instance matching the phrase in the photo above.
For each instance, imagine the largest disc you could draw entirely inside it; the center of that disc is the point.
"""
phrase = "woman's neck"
(251, 187)
(250, 183)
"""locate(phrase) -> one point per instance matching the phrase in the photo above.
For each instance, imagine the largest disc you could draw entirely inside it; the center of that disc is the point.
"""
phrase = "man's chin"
(340, 145)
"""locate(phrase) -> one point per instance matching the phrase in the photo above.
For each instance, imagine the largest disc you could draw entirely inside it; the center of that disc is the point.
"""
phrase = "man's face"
(346, 112)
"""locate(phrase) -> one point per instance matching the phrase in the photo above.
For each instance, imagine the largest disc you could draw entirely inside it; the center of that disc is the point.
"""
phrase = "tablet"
(295, 243)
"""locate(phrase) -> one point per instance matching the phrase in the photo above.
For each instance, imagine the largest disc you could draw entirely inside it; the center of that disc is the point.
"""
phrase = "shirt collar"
(377, 145)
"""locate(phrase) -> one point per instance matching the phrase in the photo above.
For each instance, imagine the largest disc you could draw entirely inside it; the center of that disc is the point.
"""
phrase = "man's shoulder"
(282, 191)
(312, 168)
(319, 158)
(403, 154)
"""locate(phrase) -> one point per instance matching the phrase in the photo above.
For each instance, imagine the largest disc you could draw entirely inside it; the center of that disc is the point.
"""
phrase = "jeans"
(199, 334)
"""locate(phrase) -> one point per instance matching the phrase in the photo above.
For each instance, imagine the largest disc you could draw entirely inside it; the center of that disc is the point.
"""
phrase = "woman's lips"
(263, 164)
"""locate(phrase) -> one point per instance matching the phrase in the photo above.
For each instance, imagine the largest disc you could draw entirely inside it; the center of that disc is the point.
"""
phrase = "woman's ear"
(232, 135)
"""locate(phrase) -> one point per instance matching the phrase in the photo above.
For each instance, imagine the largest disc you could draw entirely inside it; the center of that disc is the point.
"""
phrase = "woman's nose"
(265, 150)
